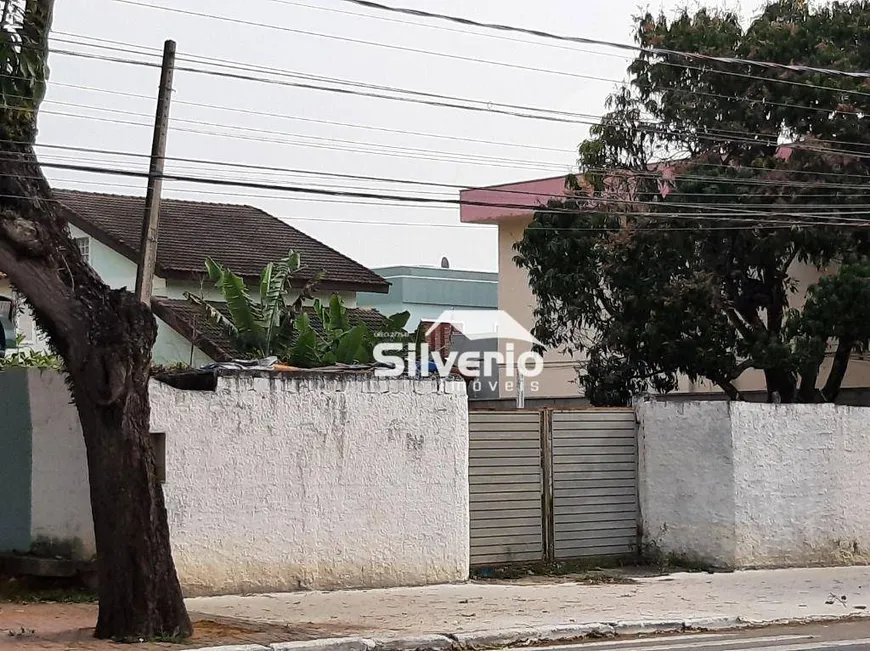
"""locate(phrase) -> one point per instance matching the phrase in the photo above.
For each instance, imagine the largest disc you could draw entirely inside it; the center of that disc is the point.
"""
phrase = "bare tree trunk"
(105, 338)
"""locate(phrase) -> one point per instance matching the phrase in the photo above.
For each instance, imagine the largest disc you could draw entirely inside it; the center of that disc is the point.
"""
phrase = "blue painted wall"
(15, 462)
(426, 292)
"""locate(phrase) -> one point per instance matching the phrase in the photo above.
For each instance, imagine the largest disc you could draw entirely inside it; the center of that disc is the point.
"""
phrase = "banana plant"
(262, 327)
(340, 341)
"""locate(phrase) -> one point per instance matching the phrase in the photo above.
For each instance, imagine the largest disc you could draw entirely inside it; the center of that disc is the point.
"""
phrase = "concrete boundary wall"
(284, 483)
(45, 505)
(273, 482)
(755, 485)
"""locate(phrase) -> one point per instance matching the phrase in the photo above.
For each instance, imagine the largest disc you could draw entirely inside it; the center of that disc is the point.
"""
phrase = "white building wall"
(756, 485)
(171, 348)
(329, 482)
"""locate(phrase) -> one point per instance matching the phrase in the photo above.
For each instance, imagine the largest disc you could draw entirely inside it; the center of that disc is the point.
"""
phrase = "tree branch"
(838, 370)
(42, 289)
(730, 390)
(738, 322)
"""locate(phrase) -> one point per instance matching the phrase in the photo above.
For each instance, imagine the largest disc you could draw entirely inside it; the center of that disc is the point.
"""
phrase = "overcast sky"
(416, 235)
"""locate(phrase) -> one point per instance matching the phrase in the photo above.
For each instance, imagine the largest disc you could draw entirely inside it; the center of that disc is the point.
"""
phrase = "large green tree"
(703, 192)
(105, 337)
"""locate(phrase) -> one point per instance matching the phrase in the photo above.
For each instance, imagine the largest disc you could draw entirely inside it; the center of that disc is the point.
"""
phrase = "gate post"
(548, 524)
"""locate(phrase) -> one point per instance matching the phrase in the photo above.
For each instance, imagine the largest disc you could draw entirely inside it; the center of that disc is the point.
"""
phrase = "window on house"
(158, 444)
(84, 244)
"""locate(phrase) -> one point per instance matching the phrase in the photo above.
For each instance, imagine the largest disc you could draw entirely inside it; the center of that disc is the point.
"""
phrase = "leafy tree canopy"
(706, 194)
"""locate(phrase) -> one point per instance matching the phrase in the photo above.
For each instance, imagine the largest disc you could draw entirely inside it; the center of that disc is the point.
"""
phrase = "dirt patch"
(69, 627)
(612, 571)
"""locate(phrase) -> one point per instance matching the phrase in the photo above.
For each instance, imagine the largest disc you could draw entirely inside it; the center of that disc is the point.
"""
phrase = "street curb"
(526, 636)
(801, 621)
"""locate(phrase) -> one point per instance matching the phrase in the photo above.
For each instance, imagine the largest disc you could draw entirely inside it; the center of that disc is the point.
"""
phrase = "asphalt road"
(851, 636)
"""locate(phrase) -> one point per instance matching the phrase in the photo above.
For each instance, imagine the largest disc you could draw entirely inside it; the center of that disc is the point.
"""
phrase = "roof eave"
(332, 285)
(186, 330)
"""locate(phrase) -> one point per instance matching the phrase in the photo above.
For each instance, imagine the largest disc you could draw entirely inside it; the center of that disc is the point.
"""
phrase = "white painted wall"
(61, 503)
(171, 348)
(802, 480)
(329, 482)
(686, 480)
(285, 483)
(756, 485)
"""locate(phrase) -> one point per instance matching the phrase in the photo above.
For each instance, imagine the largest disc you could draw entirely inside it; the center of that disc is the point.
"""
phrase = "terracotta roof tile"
(242, 238)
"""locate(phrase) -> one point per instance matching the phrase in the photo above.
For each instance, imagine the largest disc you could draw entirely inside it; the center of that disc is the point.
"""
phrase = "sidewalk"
(757, 596)
(479, 614)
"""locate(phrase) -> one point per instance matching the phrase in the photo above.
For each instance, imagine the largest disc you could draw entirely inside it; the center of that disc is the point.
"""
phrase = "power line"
(493, 189)
(479, 158)
(492, 108)
(349, 125)
(730, 217)
(377, 179)
(505, 64)
(591, 41)
(445, 28)
(703, 216)
(281, 116)
(446, 158)
(330, 220)
(566, 48)
(756, 208)
(356, 41)
(658, 229)
(458, 157)
(270, 70)
(789, 224)
(692, 93)
(650, 127)
(755, 226)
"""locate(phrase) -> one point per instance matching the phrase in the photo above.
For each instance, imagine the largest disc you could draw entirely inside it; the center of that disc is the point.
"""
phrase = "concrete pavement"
(834, 637)
(501, 613)
(844, 636)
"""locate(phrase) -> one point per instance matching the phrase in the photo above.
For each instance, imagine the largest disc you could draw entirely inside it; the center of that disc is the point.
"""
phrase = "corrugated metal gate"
(505, 485)
(552, 485)
(594, 483)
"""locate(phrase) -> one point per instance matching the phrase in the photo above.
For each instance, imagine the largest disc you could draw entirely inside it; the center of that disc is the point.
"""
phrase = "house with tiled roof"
(107, 229)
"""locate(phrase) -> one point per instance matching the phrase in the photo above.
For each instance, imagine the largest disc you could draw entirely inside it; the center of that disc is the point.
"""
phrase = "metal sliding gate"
(552, 484)
(505, 479)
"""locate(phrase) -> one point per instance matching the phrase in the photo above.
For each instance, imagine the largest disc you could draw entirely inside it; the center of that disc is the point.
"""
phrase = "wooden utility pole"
(148, 244)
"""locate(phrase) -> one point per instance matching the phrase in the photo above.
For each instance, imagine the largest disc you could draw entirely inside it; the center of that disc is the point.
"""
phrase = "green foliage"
(259, 328)
(28, 358)
(340, 341)
(23, 65)
(272, 326)
(635, 271)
